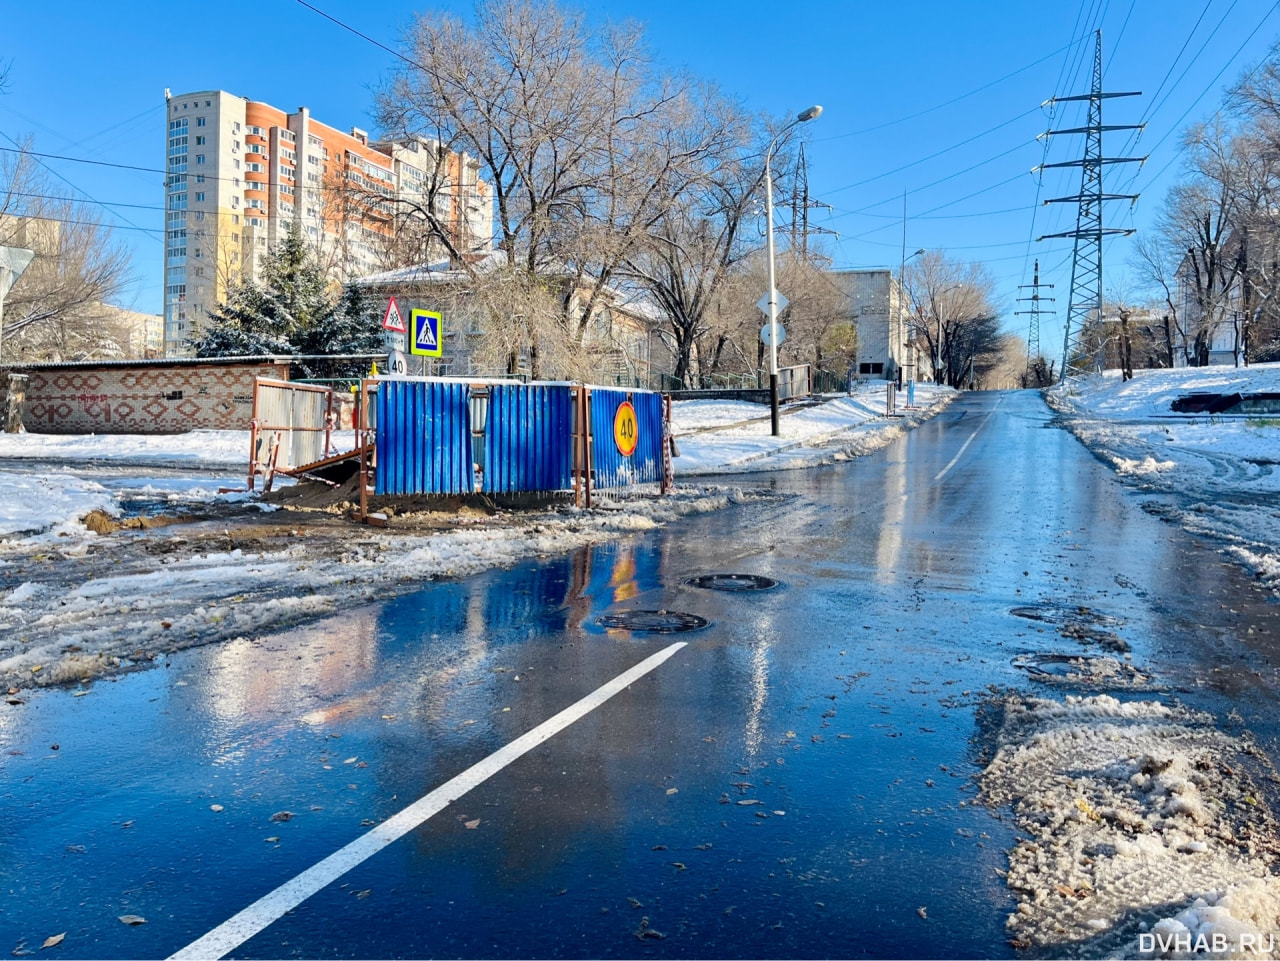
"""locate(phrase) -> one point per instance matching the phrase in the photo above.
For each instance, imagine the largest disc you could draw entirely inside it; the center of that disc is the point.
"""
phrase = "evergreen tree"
(291, 312)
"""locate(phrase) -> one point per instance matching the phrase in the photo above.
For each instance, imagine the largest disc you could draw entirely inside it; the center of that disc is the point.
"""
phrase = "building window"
(199, 178)
(235, 201)
(199, 141)
(199, 120)
(199, 158)
(235, 218)
(199, 215)
(200, 198)
(236, 164)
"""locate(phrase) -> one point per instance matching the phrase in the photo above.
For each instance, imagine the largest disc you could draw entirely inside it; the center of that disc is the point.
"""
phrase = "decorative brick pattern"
(150, 398)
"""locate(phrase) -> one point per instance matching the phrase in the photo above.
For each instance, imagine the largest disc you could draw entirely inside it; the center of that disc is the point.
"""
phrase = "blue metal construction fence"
(444, 436)
(528, 438)
(423, 438)
(644, 464)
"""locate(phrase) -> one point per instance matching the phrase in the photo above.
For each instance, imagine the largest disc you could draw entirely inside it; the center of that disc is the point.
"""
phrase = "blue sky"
(87, 81)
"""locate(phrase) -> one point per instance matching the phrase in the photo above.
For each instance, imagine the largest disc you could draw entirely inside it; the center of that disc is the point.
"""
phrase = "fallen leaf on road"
(472, 825)
(282, 816)
(53, 942)
(133, 919)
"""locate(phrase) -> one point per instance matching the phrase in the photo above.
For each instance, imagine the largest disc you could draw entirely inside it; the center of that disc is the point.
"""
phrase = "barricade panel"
(612, 467)
(423, 439)
(528, 439)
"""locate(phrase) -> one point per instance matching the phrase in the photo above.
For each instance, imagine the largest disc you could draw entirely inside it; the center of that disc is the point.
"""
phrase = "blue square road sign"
(426, 329)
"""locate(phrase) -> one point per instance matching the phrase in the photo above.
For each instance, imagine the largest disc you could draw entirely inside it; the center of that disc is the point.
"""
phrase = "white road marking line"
(270, 907)
(963, 447)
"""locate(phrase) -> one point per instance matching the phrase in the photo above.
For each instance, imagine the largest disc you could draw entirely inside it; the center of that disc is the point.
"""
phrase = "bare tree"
(953, 317)
(55, 310)
(582, 141)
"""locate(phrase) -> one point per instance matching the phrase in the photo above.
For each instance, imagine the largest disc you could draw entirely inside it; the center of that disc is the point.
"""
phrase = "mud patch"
(1077, 670)
(1132, 813)
(100, 522)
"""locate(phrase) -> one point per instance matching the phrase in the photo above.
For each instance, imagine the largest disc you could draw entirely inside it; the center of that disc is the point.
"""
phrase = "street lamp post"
(803, 117)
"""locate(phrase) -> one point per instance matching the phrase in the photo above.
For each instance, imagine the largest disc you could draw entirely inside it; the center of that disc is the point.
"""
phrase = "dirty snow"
(1129, 808)
(1219, 472)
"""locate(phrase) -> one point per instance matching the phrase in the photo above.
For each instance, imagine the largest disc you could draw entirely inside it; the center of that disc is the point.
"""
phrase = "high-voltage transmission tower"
(1033, 329)
(1082, 345)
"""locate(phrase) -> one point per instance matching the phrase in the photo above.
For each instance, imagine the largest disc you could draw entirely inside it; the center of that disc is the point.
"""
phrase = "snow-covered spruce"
(1129, 808)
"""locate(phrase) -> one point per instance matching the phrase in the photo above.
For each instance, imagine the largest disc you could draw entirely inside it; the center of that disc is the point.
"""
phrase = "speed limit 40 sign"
(626, 429)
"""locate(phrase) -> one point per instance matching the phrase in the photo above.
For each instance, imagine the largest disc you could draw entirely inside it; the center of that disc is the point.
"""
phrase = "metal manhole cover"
(1077, 669)
(653, 622)
(733, 582)
(1054, 613)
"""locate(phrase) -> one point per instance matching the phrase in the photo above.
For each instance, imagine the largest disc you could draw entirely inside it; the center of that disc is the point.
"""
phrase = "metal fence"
(619, 460)
(291, 427)
(423, 438)
(445, 436)
(528, 433)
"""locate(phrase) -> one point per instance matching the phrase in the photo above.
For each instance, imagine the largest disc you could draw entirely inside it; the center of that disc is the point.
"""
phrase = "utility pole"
(1033, 328)
(1081, 342)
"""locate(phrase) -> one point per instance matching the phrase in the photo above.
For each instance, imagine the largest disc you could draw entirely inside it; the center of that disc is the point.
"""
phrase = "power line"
(948, 103)
(935, 155)
(74, 187)
(76, 200)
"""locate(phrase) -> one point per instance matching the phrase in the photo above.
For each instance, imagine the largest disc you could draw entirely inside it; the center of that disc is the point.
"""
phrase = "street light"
(803, 117)
(902, 287)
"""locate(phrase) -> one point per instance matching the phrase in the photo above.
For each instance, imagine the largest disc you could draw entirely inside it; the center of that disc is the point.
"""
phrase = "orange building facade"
(242, 174)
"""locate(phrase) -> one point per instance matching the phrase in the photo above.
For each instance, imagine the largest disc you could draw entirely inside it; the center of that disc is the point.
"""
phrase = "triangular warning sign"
(393, 320)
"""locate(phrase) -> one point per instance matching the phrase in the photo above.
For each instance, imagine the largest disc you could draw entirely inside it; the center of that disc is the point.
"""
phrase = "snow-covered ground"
(75, 604)
(718, 436)
(1221, 469)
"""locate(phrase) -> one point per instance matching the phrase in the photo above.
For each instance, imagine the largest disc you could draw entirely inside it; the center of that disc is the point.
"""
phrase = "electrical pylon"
(1033, 330)
(1082, 342)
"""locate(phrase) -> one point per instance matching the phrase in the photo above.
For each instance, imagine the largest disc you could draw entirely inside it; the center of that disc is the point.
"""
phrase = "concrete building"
(241, 174)
(879, 313)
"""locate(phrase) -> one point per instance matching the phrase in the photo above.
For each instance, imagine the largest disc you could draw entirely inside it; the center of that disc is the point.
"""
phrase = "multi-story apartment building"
(242, 174)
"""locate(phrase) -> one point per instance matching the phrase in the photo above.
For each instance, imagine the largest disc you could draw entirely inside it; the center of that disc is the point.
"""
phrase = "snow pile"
(1128, 808)
(716, 436)
(37, 502)
(1220, 471)
(1239, 922)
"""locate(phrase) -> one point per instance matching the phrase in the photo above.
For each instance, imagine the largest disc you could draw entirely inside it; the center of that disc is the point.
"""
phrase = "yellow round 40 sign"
(626, 431)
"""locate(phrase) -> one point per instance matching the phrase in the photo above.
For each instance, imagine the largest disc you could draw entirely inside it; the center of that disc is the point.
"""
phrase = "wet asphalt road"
(846, 701)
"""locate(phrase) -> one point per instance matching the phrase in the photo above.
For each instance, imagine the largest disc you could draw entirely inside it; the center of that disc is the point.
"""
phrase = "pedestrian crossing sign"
(428, 333)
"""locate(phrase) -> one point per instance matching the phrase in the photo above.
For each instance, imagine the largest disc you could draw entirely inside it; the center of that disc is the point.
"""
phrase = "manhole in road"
(1075, 669)
(1059, 613)
(653, 622)
(1078, 623)
(733, 582)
